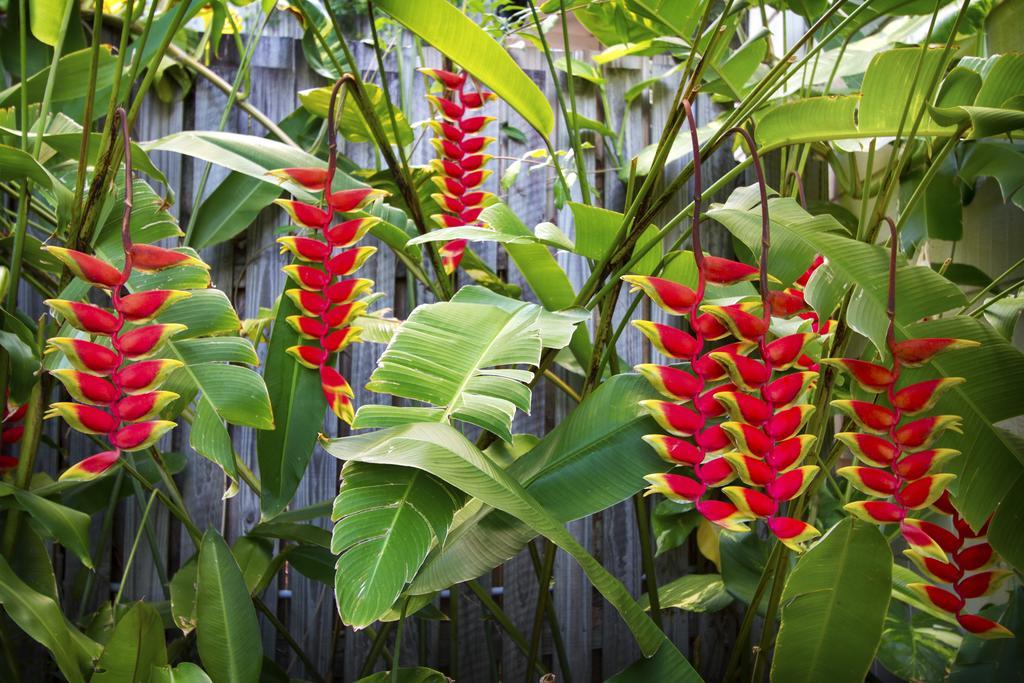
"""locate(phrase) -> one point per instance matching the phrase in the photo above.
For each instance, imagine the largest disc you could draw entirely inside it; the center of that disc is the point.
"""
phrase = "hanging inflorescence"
(461, 157)
(113, 381)
(759, 395)
(325, 259)
(901, 470)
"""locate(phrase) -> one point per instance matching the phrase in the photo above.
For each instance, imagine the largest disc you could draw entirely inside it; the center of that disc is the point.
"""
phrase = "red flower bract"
(459, 162)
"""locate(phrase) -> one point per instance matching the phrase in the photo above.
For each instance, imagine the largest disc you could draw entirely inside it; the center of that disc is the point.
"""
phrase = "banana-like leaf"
(351, 124)
(991, 463)
(135, 647)
(448, 355)
(69, 526)
(445, 453)
(41, 618)
(797, 237)
(227, 631)
(692, 593)
(450, 31)
(386, 520)
(877, 111)
(834, 606)
(576, 470)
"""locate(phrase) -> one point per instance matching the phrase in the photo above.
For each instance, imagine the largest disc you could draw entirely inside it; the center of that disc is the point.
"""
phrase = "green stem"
(990, 286)
(768, 627)
(998, 297)
(396, 660)
(543, 591)
(748, 617)
(283, 631)
(643, 525)
(90, 99)
(929, 175)
(131, 554)
(101, 542)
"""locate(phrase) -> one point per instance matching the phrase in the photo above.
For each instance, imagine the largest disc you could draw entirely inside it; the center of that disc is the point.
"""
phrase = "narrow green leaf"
(70, 527)
(227, 632)
(136, 646)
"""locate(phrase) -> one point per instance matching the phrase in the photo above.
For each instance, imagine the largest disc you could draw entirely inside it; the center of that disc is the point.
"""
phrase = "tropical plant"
(805, 373)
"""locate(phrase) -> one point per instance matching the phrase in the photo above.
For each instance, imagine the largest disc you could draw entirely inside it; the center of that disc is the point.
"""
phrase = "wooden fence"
(248, 270)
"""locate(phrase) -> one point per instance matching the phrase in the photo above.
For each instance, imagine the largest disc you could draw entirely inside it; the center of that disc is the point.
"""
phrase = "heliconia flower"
(343, 314)
(460, 161)
(871, 377)
(346, 201)
(95, 271)
(346, 262)
(915, 352)
(744, 408)
(671, 296)
(747, 373)
(92, 467)
(921, 397)
(87, 388)
(674, 450)
(723, 271)
(116, 396)
(83, 418)
(709, 327)
(786, 303)
(788, 388)
(313, 179)
(142, 307)
(146, 375)
(870, 417)
(751, 502)
(793, 533)
(957, 560)
(151, 259)
(788, 421)
(871, 480)
(740, 323)
(670, 341)
(86, 317)
(675, 487)
(674, 418)
(304, 248)
(85, 355)
(347, 233)
(876, 511)
(310, 356)
(873, 450)
(748, 439)
(306, 215)
(724, 514)
(789, 452)
(337, 340)
(143, 406)
(921, 433)
(309, 278)
(146, 340)
(140, 435)
(784, 352)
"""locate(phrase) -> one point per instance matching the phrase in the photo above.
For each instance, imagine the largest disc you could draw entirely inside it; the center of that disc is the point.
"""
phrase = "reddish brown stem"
(890, 335)
(762, 187)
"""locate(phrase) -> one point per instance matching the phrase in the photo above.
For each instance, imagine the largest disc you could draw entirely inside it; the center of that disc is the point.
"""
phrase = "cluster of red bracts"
(743, 419)
(114, 381)
(965, 566)
(324, 261)
(460, 161)
(901, 475)
(10, 433)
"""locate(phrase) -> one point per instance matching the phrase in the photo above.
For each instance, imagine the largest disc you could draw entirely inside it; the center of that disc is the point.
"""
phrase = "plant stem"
(396, 660)
(563, 385)
(288, 638)
(643, 525)
(998, 297)
(768, 627)
(101, 542)
(131, 554)
(543, 591)
(990, 286)
(750, 613)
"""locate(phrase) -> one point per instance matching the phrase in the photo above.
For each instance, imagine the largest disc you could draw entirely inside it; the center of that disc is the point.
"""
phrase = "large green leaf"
(797, 237)
(69, 526)
(136, 646)
(448, 29)
(576, 470)
(834, 605)
(991, 463)
(298, 409)
(227, 632)
(186, 672)
(877, 111)
(386, 519)
(448, 355)
(445, 453)
(596, 229)
(692, 593)
(351, 124)
(42, 619)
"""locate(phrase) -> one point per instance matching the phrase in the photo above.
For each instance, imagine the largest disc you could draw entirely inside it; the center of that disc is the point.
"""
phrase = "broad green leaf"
(1003, 315)
(183, 596)
(596, 229)
(32, 562)
(743, 557)
(1004, 162)
(998, 659)
(833, 607)
(692, 593)
(797, 237)
(208, 312)
(386, 519)
(42, 619)
(556, 327)
(580, 69)
(448, 29)
(23, 361)
(186, 672)
(236, 394)
(255, 558)
(575, 470)
(419, 674)
(351, 123)
(227, 632)
(136, 646)
(445, 453)
(939, 214)
(216, 349)
(45, 18)
(70, 527)
(16, 164)
(71, 82)
(298, 411)
(447, 355)
(917, 654)
(667, 664)
(210, 438)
